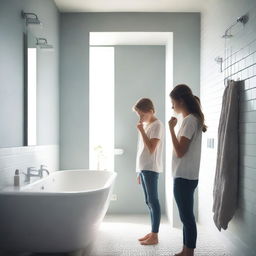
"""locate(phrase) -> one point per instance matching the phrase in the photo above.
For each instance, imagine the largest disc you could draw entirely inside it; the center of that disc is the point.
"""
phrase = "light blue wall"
(11, 72)
(74, 67)
(139, 72)
(242, 229)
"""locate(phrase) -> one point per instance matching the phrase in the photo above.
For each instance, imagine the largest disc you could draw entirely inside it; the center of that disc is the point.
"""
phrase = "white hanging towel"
(225, 192)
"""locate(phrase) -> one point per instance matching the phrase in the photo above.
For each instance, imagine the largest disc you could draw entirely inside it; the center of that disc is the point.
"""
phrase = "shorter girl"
(149, 162)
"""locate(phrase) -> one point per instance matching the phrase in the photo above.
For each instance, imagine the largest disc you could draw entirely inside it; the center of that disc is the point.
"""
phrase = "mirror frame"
(25, 89)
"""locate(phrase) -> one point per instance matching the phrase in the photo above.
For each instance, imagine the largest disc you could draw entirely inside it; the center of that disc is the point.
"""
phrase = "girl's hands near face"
(172, 122)
(140, 126)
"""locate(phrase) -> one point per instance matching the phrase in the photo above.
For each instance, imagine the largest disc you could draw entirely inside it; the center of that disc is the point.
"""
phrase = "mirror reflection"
(31, 89)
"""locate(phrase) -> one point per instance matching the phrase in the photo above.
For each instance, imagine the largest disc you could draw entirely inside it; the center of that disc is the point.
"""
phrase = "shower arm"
(41, 39)
(242, 19)
(26, 14)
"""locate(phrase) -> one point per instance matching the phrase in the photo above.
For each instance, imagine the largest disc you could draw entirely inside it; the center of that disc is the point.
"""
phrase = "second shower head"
(43, 44)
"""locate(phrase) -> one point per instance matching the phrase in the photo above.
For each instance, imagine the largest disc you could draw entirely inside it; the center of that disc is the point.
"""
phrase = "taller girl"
(186, 160)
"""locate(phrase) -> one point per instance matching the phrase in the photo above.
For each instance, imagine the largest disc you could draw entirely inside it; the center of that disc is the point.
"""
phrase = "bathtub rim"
(20, 191)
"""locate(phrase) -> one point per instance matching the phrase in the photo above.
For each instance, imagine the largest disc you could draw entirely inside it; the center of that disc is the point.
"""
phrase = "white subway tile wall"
(23, 157)
(241, 65)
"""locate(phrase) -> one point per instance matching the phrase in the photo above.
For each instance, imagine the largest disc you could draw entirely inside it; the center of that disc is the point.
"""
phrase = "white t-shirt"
(187, 167)
(145, 160)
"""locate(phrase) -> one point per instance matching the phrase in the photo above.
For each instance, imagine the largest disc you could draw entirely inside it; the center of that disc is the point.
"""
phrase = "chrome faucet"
(32, 172)
(42, 170)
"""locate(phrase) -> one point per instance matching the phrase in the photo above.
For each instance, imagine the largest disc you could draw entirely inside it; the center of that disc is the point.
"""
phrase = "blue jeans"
(149, 181)
(184, 196)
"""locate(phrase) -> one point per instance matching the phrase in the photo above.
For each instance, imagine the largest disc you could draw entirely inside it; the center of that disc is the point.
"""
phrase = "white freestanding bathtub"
(59, 213)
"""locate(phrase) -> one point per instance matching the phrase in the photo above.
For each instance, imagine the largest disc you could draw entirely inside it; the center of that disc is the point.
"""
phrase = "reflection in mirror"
(31, 91)
(31, 118)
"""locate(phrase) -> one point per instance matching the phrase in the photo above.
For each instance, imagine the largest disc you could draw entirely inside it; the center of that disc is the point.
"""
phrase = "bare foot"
(179, 254)
(145, 237)
(153, 239)
(182, 253)
(189, 252)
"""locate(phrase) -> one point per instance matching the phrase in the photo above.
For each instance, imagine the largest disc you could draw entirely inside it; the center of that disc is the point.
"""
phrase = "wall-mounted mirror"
(29, 86)
(18, 91)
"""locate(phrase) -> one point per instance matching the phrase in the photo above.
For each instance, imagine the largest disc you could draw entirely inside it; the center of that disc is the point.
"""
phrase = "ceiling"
(130, 5)
(130, 38)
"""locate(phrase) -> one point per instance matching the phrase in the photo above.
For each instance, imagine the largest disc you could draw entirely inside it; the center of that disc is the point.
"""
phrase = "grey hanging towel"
(225, 191)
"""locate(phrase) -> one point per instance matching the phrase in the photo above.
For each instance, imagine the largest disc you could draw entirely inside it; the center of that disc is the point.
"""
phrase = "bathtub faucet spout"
(42, 170)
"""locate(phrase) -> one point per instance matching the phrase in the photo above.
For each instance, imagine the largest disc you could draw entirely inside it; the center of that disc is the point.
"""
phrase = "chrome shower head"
(227, 36)
(46, 47)
(242, 19)
(43, 44)
(30, 18)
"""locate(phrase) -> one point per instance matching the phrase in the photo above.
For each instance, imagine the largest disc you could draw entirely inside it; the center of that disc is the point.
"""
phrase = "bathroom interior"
(70, 73)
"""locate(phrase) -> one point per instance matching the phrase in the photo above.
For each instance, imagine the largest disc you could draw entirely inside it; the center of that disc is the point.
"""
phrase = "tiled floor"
(118, 237)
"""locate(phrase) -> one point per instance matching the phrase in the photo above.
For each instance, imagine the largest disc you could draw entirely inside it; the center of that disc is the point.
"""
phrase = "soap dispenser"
(17, 178)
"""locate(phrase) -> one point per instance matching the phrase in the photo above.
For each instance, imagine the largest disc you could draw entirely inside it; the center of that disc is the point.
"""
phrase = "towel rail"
(233, 74)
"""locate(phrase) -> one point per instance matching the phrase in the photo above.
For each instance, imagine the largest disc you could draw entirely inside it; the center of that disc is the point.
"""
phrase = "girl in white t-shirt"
(149, 162)
(186, 160)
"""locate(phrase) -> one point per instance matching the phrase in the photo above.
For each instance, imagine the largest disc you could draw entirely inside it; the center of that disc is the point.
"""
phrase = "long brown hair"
(192, 102)
(145, 105)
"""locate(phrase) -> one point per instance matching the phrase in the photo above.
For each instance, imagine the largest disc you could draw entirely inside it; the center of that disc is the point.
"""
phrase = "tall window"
(101, 108)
